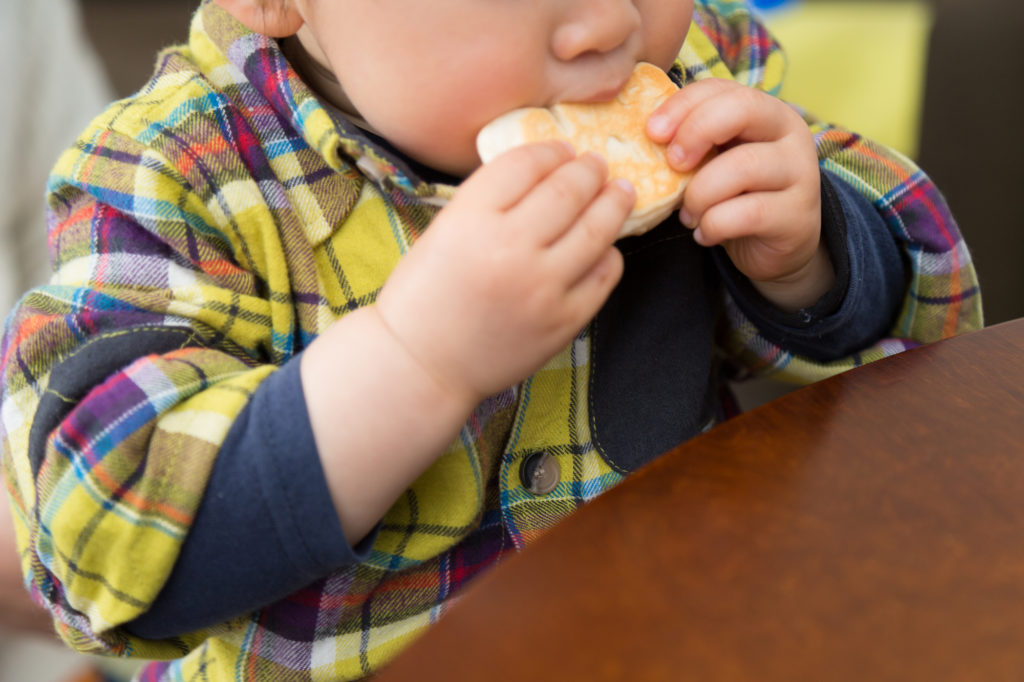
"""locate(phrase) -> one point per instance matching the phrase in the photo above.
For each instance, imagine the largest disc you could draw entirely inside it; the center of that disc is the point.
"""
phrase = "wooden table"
(869, 527)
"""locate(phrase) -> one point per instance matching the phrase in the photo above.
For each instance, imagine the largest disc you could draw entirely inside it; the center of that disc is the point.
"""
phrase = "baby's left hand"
(759, 197)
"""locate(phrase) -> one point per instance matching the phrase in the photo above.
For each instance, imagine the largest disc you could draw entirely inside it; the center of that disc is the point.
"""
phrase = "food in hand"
(613, 129)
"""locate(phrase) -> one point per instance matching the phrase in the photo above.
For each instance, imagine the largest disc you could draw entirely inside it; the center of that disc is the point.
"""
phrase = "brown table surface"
(867, 527)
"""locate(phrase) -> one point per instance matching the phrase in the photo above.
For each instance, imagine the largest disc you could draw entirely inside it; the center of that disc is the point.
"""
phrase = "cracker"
(616, 131)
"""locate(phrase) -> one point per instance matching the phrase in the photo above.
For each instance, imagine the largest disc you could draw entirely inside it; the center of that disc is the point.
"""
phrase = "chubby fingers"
(508, 178)
(574, 196)
(714, 113)
(578, 213)
(747, 168)
(585, 255)
(593, 232)
(785, 217)
(541, 188)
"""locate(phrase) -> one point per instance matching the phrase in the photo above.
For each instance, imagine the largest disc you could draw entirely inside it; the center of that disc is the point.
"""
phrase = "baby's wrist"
(378, 419)
(460, 396)
(802, 288)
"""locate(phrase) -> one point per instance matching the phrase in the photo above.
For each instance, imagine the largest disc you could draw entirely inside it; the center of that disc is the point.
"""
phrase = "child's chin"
(459, 167)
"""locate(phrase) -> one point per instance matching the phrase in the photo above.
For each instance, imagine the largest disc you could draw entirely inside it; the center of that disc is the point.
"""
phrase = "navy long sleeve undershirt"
(267, 526)
(863, 302)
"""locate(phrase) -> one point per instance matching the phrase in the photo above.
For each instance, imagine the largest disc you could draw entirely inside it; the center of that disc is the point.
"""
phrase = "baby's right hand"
(510, 271)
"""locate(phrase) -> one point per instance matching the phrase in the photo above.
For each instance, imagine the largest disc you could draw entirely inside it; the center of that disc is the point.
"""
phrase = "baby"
(305, 366)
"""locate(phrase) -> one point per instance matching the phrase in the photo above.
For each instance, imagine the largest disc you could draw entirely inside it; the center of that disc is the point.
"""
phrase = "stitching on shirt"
(595, 332)
(122, 332)
(590, 403)
(146, 328)
(60, 396)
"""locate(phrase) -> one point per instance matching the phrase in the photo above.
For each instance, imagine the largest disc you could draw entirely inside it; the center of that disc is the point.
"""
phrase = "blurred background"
(939, 80)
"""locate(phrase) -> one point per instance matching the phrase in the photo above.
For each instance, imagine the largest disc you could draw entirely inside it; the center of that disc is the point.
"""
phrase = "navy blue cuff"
(266, 526)
(862, 304)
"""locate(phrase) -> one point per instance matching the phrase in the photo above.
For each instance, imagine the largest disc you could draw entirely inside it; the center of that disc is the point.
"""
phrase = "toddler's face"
(428, 75)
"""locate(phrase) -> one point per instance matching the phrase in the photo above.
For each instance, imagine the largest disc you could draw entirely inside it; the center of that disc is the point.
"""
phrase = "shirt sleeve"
(860, 306)
(940, 296)
(123, 376)
(266, 526)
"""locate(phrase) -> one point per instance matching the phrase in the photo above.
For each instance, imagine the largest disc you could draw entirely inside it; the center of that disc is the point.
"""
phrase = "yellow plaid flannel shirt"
(222, 210)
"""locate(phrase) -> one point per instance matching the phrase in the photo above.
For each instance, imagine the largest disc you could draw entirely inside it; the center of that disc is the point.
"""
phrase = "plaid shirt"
(206, 230)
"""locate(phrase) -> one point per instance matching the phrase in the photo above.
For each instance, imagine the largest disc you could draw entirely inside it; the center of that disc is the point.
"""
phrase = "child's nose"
(594, 26)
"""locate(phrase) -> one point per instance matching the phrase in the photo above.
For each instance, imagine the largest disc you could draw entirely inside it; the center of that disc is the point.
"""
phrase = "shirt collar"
(339, 141)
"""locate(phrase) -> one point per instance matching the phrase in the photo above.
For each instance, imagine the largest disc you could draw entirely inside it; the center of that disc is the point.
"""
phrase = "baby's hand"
(759, 197)
(509, 272)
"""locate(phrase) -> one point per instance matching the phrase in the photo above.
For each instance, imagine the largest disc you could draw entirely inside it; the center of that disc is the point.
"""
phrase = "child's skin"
(524, 256)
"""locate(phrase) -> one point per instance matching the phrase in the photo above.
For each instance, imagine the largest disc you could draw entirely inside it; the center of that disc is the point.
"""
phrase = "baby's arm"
(382, 408)
(760, 197)
(889, 205)
(502, 280)
(175, 386)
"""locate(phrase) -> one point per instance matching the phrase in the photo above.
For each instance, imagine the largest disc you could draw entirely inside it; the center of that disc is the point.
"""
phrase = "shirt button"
(540, 473)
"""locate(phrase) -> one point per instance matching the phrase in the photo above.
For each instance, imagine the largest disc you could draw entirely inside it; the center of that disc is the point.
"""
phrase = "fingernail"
(698, 237)
(659, 125)
(676, 155)
(685, 218)
(597, 157)
(566, 146)
(626, 186)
